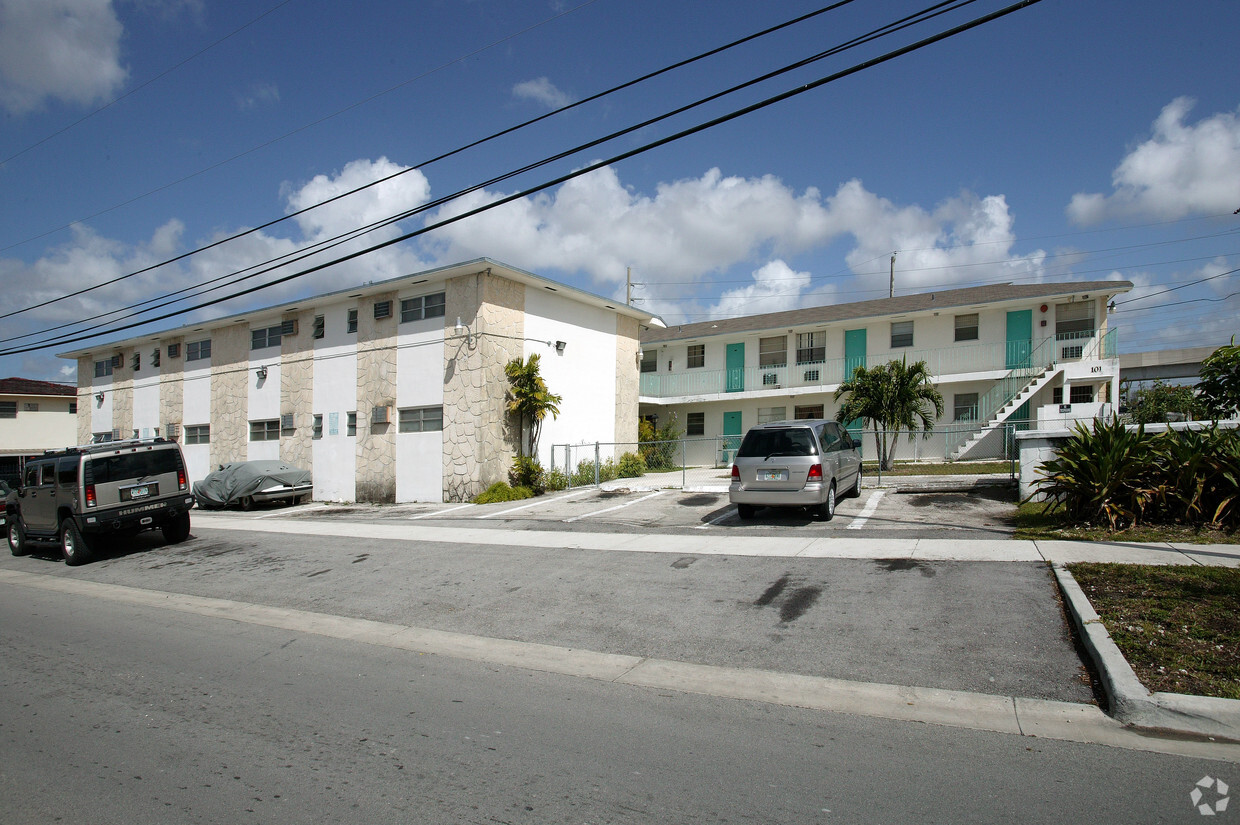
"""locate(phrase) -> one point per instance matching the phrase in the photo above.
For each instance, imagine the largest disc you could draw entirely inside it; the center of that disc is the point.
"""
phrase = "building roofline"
(443, 273)
(30, 386)
(879, 307)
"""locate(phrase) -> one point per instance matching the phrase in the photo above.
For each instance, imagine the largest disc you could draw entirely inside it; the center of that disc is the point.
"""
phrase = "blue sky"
(1067, 141)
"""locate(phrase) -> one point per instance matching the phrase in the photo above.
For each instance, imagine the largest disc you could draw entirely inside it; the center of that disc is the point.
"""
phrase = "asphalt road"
(112, 713)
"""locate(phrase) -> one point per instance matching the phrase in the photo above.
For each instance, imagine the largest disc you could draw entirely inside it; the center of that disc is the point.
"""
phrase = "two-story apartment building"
(34, 416)
(1033, 353)
(391, 391)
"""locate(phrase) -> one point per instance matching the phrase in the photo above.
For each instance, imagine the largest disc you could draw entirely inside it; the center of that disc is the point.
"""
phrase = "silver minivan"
(795, 464)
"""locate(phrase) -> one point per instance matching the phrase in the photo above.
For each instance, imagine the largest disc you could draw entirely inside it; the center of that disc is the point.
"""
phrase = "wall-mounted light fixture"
(559, 347)
(99, 397)
(262, 373)
(1110, 307)
(462, 331)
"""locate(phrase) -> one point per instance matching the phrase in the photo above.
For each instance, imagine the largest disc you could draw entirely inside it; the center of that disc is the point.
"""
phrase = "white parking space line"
(610, 509)
(715, 520)
(870, 506)
(442, 512)
(537, 503)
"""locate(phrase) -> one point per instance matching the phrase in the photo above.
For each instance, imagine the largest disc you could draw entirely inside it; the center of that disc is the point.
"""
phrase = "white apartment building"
(389, 392)
(1037, 354)
(34, 416)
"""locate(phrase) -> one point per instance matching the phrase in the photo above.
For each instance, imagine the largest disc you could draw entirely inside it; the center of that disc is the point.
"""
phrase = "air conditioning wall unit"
(288, 326)
(118, 361)
(380, 415)
(174, 350)
(286, 421)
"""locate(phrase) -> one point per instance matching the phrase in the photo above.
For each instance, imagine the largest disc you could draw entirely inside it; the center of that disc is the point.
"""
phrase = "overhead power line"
(733, 115)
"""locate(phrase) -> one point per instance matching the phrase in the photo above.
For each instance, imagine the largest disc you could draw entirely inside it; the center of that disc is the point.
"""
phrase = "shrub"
(659, 446)
(499, 491)
(631, 465)
(555, 480)
(527, 472)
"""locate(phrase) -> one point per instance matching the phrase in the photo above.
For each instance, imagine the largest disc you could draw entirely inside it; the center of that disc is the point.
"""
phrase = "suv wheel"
(17, 537)
(826, 510)
(73, 544)
(176, 529)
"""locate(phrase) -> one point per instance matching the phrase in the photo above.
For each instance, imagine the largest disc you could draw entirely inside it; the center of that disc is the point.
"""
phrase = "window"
(769, 414)
(155, 357)
(351, 424)
(811, 347)
(696, 356)
(320, 327)
(270, 336)
(67, 471)
(773, 352)
(650, 361)
(30, 406)
(966, 327)
(383, 309)
(695, 423)
(351, 326)
(103, 368)
(198, 350)
(901, 334)
(1057, 395)
(318, 427)
(1074, 319)
(197, 433)
(72, 408)
(1081, 394)
(810, 376)
(421, 420)
(965, 406)
(265, 430)
(135, 363)
(418, 309)
(8, 409)
(808, 411)
(100, 438)
(174, 350)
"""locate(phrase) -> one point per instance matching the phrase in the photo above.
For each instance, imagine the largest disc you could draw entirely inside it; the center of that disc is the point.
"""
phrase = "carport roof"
(975, 296)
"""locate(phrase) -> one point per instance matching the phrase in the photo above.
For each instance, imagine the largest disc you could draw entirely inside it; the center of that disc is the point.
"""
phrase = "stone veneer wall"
(85, 398)
(172, 390)
(297, 391)
(627, 379)
(122, 395)
(478, 437)
(230, 370)
(376, 387)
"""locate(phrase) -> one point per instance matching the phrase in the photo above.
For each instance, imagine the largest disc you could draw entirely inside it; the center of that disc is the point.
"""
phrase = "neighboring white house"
(34, 416)
(392, 391)
(1037, 354)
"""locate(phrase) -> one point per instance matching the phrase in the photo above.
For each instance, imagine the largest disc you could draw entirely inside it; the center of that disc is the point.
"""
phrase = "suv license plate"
(773, 475)
(139, 492)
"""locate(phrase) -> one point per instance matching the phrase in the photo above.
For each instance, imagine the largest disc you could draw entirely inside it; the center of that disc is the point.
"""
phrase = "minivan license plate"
(772, 475)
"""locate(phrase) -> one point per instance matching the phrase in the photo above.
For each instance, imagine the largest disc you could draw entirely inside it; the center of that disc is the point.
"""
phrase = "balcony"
(828, 374)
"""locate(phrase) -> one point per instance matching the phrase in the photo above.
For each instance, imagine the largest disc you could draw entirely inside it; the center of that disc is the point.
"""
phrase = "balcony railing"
(942, 362)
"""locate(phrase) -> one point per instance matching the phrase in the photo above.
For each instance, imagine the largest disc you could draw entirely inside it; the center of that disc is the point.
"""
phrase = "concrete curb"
(1130, 702)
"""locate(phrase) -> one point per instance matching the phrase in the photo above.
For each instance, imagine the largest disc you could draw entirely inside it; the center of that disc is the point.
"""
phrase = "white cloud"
(259, 94)
(776, 287)
(65, 49)
(1181, 170)
(541, 91)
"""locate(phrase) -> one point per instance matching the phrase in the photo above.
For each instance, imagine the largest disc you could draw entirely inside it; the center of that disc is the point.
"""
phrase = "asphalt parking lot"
(887, 512)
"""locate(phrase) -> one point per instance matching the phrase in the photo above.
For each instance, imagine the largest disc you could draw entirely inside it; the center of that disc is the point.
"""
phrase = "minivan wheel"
(745, 511)
(17, 537)
(73, 545)
(176, 529)
(826, 510)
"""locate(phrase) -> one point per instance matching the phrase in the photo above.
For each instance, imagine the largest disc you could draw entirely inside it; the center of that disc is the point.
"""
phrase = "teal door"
(731, 435)
(854, 356)
(735, 366)
(1019, 339)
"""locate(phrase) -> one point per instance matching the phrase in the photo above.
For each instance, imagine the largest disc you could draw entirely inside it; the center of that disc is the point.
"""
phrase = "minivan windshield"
(129, 466)
(767, 443)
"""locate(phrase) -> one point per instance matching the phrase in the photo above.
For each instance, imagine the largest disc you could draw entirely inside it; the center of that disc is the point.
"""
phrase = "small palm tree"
(893, 397)
(529, 399)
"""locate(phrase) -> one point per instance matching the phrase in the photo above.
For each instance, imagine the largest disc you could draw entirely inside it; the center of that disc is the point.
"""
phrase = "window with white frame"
(1075, 319)
(420, 419)
(695, 423)
(966, 327)
(268, 430)
(320, 326)
(317, 431)
(103, 368)
(769, 414)
(964, 406)
(1081, 394)
(351, 324)
(650, 360)
(350, 427)
(198, 350)
(811, 347)
(773, 352)
(197, 433)
(695, 356)
(268, 336)
(422, 307)
(901, 334)
(8, 409)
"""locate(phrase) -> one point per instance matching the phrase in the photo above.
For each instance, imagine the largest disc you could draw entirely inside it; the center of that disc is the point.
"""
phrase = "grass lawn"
(1178, 626)
(1032, 523)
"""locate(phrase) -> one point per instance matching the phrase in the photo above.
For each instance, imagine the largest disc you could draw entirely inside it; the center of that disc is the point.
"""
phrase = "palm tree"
(893, 397)
(529, 399)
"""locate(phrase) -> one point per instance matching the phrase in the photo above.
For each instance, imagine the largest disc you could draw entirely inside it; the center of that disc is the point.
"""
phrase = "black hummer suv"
(75, 496)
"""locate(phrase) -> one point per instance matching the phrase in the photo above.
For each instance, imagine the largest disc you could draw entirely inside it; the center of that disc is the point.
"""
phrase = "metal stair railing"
(989, 406)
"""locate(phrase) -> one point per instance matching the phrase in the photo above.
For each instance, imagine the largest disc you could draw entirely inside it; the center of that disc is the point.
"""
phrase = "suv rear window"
(789, 441)
(133, 465)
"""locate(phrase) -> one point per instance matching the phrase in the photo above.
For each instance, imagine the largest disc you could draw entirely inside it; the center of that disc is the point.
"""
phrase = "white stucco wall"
(419, 383)
(584, 375)
(146, 402)
(50, 427)
(263, 399)
(196, 382)
(335, 394)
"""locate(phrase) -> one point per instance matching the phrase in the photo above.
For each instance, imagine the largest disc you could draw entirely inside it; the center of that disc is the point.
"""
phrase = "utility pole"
(892, 292)
(628, 285)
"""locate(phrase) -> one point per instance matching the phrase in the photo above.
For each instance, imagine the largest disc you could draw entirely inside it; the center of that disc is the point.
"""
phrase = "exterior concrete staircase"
(1013, 403)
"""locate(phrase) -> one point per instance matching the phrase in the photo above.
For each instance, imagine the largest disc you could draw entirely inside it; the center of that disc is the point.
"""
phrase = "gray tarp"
(232, 482)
